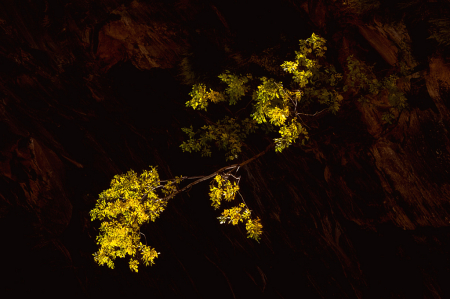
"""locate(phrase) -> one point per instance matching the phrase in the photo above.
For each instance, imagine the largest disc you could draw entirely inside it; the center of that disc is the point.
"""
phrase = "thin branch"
(182, 177)
(144, 237)
(237, 112)
(299, 113)
(226, 108)
(318, 112)
(204, 178)
(207, 177)
(243, 200)
(256, 156)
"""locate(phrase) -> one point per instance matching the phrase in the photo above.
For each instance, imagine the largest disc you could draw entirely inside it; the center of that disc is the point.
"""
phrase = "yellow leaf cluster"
(200, 97)
(222, 189)
(130, 201)
(289, 134)
(235, 91)
(239, 214)
(271, 102)
(278, 115)
(278, 105)
(254, 229)
(235, 215)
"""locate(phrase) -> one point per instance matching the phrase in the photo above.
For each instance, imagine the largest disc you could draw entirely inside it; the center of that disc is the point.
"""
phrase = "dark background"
(90, 89)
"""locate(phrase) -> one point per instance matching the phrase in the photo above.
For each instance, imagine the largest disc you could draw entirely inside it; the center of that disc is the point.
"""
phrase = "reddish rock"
(88, 91)
(380, 43)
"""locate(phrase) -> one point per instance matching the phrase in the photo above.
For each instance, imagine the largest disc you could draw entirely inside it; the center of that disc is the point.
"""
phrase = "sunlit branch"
(207, 177)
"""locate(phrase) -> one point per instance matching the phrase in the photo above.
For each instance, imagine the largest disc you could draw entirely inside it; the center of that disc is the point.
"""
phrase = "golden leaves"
(134, 265)
(222, 189)
(200, 97)
(133, 199)
(278, 115)
(254, 229)
(278, 105)
(239, 214)
(273, 103)
(235, 214)
(130, 202)
(148, 254)
(269, 102)
(235, 91)
(289, 134)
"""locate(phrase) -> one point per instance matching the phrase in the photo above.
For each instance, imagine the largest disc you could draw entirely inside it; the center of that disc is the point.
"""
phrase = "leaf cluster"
(273, 103)
(236, 89)
(133, 200)
(200, 97)
(227, 134)
(289, 135)
(362, 78)
(221, 188)
(130, 201)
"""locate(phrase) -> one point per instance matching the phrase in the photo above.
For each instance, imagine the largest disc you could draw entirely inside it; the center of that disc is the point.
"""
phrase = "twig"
(144, 237)
(207, 177)
(237, 112)
(318, 112)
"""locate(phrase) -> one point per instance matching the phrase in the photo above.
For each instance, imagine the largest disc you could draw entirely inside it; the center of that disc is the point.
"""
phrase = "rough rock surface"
(92, 89)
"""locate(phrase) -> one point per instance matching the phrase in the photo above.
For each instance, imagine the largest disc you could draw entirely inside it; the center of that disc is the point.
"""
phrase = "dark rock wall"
(90, 89)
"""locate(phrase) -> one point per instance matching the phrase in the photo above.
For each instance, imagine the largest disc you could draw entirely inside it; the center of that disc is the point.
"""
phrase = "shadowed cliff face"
(90, 90)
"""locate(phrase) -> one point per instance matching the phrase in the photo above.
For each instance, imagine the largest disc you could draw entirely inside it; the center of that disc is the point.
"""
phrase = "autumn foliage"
(133, 200)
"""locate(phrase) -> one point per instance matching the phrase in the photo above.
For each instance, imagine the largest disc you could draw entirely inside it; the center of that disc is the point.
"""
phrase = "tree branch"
(231, 167)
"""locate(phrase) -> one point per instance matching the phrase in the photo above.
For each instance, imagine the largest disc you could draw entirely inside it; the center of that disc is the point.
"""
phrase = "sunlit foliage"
(254, 228)
(221, 188)
(200, 97)
(133, 200)
(235, 215)
(130, 201)
(289, 135)
(273, 103)
(233, 93)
